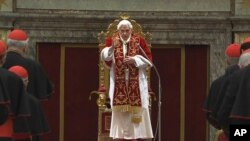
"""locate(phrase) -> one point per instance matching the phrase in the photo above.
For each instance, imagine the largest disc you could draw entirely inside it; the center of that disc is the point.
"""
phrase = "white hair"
(124, 22)
(16, 43)
(244, 59)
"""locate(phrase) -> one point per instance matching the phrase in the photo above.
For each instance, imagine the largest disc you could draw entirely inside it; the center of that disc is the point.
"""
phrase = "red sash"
(126, 97)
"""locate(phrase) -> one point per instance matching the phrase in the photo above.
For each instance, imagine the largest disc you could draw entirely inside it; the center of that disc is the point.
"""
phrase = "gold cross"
(120, 95)
(3, 2)
(133, 96)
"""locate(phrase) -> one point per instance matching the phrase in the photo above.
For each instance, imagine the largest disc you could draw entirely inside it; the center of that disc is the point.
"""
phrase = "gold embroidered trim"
(127, 108)
(135, 110)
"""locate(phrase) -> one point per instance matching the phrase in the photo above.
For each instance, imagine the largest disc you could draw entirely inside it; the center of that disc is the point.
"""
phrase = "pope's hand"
(116, 42)
(129, 60)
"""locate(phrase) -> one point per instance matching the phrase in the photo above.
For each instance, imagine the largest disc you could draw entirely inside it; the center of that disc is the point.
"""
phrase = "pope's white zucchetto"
(124, 22)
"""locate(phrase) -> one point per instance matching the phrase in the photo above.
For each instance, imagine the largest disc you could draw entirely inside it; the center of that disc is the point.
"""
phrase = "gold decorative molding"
(182, 95)
(3, 34)
(62, 94)
(148, 38)
(3, 2)
(239, 37)
(124, 16)
(245, 3)
(101, 100)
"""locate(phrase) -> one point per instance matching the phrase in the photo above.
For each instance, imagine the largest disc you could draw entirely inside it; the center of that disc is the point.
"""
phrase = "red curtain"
(195, 92)
(167, 62)
(49, 57)
(80, 78)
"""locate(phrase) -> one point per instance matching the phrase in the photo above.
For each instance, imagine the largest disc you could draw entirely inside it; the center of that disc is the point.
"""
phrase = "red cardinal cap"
(3, 47)
(18, 34)
(19, 70)
(233, 50)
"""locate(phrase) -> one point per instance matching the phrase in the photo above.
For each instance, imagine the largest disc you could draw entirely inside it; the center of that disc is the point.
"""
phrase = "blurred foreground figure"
(218, 89)
(13, 102)
(37, 123)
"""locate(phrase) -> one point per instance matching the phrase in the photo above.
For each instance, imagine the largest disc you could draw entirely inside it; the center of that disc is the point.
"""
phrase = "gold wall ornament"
(3, 2)
(124, 16)
(245, 3)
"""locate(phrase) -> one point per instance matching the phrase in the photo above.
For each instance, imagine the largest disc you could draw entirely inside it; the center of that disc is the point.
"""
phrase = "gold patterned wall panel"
(6, 5)
(242, 7)
(239, 37)
(3, 34)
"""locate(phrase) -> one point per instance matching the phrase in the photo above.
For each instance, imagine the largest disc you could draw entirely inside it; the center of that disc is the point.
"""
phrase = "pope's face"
(125, 32)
